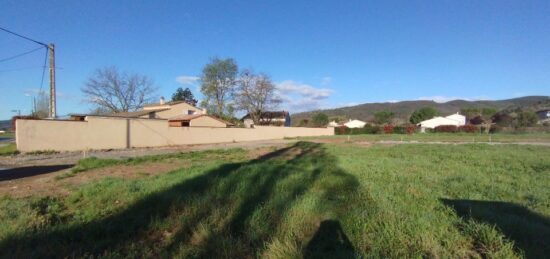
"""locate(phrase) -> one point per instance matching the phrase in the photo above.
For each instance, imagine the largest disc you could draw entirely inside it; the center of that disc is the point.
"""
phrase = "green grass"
(7, 135)
(451, 137)
(308, 200)
(94, 162)
(8, 150)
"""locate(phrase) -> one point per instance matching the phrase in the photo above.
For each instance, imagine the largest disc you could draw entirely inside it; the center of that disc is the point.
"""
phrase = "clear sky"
(320, 53)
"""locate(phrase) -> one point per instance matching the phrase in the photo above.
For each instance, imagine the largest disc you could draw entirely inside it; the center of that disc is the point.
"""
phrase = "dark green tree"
(303, 123)
(470, 112)
(526, 119)
(320, 120)
(383, 117)
(422, 114)
(184, 95)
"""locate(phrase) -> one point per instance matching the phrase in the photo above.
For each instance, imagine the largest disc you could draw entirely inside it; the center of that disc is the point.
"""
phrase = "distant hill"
(5, 124)
(404, 109)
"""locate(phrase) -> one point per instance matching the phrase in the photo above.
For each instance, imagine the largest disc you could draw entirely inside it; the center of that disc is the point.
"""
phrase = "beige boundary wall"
(118, 133)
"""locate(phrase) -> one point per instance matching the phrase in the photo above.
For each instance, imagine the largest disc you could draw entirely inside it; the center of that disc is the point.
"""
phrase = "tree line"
(225, 89)
(486, 116)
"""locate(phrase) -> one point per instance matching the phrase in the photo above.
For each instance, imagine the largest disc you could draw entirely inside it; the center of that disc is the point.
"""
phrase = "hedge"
(446, 128)
(368, 129)
(405, 129)
(372, 129)
(468, 128)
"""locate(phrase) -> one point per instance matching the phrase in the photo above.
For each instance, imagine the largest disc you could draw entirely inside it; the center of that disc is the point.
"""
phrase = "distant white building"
(333, 124)
(454, 119)
(355, 124)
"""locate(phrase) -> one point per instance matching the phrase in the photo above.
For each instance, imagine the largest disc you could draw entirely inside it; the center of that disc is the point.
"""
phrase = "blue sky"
(320, 53)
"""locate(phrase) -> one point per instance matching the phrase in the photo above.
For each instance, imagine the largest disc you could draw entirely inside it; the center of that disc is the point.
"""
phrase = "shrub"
(446, 128)
(410, 129)
(404, 129)
(468, 128)
(399, 130)
(388, 129)
(371, 129)
(368, 129)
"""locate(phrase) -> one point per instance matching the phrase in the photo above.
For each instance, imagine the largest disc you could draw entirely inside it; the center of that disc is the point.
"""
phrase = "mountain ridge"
(404, 109)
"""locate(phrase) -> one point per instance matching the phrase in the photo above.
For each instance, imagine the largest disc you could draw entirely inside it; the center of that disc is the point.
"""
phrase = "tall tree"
(116, 91)
(255, 94)
(526, 119)
(218, 82)
(382, 117)
(320, 120)
(470, 112)
(422, 114)
(184, 95)
(484, 115)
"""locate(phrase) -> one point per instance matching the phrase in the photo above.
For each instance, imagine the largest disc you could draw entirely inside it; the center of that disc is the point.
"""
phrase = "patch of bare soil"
(42, 180)
(327, 140)
(47, 184)
(73, 157)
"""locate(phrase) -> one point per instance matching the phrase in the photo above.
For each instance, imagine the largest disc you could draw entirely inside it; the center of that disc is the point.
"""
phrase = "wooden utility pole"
(51, 56)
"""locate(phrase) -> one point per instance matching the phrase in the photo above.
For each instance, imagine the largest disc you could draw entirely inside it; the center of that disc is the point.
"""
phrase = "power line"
(44, 69)
(19, 69)
(21, 36)
(19, 55)
(26, 68)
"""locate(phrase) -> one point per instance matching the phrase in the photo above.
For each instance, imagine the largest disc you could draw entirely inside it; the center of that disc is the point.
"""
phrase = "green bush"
(404, 129)
(368, 129)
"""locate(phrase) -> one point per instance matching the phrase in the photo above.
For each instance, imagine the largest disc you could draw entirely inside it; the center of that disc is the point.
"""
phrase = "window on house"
(190, 112)
(178, 123)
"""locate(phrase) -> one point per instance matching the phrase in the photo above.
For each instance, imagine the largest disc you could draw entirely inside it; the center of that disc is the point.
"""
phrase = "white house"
(355, 124)
(334, 124)
(454, 119)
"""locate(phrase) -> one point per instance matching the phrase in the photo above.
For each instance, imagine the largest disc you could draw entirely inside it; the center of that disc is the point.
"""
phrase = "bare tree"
(41, 105)
(114, 91)
(255, 94)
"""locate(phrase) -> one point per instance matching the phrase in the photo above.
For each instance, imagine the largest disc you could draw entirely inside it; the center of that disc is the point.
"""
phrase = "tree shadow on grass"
(529, 231)
(330, 241)
(231, 211)
(28, 171)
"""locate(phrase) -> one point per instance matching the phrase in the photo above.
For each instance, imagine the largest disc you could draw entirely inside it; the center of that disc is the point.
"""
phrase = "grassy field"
(7, 135)
(451, 137)
(308, 200)
(9, 149)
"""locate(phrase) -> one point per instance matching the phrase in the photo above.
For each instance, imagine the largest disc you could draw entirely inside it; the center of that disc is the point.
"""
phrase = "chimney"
(204, 111)
(162, 102)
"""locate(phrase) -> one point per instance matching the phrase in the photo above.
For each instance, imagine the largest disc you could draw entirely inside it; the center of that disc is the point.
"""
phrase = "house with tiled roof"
(178, 114)
(166, 110)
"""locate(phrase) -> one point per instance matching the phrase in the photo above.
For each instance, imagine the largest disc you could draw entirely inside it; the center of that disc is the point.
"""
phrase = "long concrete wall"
(117, 133)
